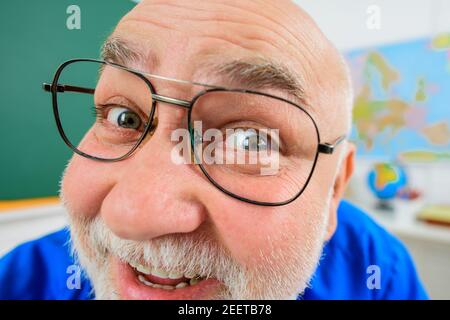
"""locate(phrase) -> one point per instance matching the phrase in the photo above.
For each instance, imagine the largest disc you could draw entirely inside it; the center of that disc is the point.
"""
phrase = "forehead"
(183, 41)
(245, 24)
(254, 72)
(207, 30)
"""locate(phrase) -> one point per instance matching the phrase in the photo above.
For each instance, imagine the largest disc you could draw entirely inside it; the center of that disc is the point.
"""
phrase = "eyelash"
(100, 111)
(246, 126)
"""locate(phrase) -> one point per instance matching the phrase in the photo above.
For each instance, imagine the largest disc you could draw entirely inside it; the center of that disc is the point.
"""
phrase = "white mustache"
(178, 253)
(187, 254)
(275, 276)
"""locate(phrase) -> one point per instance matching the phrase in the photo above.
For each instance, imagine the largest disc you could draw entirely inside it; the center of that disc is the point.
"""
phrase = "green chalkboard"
(34, 40)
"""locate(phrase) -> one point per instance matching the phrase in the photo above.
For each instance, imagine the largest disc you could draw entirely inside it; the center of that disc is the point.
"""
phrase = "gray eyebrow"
(256, 73)
(260, 74)
(119, 51)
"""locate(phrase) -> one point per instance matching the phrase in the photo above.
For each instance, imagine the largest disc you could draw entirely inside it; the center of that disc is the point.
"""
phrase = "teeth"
(181, 285)
(154, 285)
(189, 275)
(193, 281)
(159, 273)
(143, 269)
(141, 278)
(144, 281)
(168, 287)
(174, 275)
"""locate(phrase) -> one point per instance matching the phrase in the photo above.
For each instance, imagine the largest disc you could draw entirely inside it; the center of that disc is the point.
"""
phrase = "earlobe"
(332, 221)
(345, 173)
(340, 184)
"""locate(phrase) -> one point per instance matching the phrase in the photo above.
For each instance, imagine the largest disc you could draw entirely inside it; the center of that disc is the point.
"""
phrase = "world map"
(402, 100)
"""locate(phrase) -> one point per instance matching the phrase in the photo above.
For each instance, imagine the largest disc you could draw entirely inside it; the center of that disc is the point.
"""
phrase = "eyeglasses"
(253, 146)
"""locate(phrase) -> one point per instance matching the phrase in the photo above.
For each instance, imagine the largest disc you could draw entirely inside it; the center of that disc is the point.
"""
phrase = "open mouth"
(160, 279)
(142, 282)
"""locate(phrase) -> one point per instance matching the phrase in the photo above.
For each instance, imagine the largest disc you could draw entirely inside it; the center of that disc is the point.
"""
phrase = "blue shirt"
(361, 261)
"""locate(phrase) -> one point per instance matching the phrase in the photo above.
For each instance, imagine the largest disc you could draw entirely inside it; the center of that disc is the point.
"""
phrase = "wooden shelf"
(11, 205)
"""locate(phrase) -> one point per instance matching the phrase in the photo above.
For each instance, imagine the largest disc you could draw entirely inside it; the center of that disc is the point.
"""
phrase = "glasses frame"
(54, 88)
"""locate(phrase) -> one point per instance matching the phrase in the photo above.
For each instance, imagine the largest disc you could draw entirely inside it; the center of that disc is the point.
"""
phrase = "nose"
(153, 196)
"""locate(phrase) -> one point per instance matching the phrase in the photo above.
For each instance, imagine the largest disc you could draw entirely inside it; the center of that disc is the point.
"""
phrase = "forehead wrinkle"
(125, 52)
(259, 41)
(286, 25)
(257, 73)
(213, 15)
(257, 38)
(281, 34)
(261, 19)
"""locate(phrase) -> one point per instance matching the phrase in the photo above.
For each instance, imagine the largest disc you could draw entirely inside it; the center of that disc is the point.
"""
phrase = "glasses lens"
(103, 110)
(255, 147)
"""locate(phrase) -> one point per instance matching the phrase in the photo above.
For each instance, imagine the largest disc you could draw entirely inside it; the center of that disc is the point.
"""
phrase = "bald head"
(179, 39)
(240, 229)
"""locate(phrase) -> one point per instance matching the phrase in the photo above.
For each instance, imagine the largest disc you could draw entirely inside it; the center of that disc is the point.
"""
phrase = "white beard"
(279, 275)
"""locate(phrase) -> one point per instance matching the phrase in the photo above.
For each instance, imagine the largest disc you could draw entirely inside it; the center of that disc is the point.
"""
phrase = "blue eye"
(249, 140)
(124, 118)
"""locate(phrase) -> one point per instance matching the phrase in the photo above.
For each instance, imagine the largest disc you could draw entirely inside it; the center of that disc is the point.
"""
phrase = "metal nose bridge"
(174, 101)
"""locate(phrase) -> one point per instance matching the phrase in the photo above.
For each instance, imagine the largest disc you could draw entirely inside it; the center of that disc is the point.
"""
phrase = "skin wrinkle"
(239, 9)
(286, 14)
(264, 74)
(230, 39)
(259, 74)
(307, 65)
(228, 20)
(176, 219)
(267, 30)
(116, 50)
(296, 36)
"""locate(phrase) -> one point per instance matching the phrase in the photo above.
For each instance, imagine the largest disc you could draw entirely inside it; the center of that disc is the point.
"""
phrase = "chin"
(189, 267)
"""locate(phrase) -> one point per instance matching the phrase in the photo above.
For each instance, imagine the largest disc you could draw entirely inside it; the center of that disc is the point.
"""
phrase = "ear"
(340, 184)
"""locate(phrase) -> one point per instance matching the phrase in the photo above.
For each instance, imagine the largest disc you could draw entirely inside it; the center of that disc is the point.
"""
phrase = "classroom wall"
(35, 40)
(344, 21)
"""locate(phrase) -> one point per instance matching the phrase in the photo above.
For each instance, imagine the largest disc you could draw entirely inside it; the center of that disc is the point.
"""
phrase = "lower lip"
(130, 288)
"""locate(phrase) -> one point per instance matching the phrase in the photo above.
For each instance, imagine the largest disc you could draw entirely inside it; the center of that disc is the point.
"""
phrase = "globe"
(386, 180)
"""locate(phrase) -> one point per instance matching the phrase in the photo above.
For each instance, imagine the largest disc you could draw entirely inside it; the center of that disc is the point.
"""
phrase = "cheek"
(85, 184)
(324, 174)
(250, 234)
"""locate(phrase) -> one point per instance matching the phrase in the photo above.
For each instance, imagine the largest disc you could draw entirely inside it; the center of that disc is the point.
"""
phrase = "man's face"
(147, 228)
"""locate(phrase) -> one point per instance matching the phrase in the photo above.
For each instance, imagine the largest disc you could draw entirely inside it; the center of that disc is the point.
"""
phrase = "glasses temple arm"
(328, 148)
(66, 88)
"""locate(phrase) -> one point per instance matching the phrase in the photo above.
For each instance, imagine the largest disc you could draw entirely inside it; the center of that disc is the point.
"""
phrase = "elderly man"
(213, 168)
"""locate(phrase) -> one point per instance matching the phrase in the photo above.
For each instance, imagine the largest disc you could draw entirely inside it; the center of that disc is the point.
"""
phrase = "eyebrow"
(261, 73)
(116, 50)
(257, 73)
